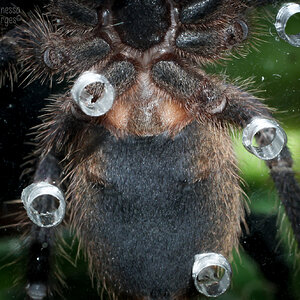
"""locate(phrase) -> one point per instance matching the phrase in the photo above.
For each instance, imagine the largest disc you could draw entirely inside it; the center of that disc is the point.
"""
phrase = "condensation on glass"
(44, 203)
(211, 274)
(284, 14)
(93, 104)
(276, 139)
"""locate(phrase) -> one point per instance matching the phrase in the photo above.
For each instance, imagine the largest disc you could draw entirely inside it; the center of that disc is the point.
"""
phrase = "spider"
(137, 151)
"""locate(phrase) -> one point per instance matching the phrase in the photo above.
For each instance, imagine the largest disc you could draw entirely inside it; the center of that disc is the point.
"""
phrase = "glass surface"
(276, 71)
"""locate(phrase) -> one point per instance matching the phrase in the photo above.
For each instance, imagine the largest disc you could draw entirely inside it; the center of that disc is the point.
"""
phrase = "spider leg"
(287, 187)
(42, 239)
(43, 51)
(259, 243)
(39, 261)
(241, 108)
(7, 52)
(8, 57)
(207, 98)
(76, 15)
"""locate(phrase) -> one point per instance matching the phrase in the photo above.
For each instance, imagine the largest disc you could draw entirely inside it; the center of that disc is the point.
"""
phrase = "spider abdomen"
(152, 204)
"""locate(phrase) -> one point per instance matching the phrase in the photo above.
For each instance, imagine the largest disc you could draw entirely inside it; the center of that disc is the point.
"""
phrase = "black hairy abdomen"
(150, 217)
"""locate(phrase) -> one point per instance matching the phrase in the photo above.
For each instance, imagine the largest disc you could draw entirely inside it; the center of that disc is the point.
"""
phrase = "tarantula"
(140, 143)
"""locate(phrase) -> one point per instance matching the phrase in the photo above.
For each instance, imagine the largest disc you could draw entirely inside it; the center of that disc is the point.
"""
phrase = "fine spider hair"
(154, 180)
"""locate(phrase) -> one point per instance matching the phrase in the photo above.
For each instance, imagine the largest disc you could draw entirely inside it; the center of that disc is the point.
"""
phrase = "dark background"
(274, 274)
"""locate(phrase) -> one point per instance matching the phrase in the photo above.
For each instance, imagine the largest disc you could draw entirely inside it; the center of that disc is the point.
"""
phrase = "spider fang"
(284, 14)
(44, 203)
(206, 279)
(276, 142)
(102, 103)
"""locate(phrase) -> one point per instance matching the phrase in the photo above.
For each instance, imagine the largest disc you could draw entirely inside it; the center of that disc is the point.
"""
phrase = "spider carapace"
(140, 142)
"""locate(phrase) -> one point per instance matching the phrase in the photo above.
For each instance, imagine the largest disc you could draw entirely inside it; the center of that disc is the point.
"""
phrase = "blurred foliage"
(276, 68)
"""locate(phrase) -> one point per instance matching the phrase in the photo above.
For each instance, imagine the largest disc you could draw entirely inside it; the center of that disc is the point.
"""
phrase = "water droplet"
(277, 76)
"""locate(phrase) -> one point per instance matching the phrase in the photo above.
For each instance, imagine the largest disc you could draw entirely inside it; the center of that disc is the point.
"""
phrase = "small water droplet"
(277, 76)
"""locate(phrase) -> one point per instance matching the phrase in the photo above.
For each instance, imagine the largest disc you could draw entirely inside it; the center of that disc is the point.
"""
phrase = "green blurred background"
(276, 67)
